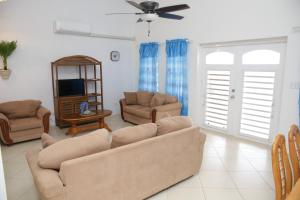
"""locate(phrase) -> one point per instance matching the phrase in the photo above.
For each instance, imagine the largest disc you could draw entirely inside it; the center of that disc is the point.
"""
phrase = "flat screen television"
(71, 87)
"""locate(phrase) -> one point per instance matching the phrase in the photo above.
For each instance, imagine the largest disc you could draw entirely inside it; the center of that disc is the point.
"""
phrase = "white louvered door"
(242, 89)
(257, 103)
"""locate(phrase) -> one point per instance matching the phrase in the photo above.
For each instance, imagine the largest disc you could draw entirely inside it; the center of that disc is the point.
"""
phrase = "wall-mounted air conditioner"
(81, 29)
(69, 27)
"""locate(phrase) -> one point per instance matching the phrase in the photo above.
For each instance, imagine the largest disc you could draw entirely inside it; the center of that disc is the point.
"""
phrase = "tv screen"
(71, 87)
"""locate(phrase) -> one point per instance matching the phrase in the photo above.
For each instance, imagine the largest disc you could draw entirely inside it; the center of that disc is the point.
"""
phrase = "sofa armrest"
(5, 129)
(42, 111)
(167, 110)
(44, 114)
(47, 181)
(168, 107)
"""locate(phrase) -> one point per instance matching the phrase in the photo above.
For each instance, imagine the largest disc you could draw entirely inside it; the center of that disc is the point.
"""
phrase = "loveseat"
(132, 163)
(23, 120)
(145, 107)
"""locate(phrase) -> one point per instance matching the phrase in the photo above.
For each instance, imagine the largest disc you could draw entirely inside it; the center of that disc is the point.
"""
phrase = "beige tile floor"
(232, 169)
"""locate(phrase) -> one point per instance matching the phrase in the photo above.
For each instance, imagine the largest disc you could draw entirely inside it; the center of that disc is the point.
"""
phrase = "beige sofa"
(23, 120)
(145, 107)
(134, 171)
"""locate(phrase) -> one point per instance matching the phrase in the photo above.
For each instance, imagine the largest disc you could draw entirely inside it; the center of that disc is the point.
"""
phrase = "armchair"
(22, 120)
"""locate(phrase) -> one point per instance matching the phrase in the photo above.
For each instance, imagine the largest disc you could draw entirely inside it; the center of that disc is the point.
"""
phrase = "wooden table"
(76, 119)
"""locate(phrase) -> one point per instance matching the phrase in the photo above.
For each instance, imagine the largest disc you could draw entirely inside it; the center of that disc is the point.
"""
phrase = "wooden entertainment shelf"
(88, 69)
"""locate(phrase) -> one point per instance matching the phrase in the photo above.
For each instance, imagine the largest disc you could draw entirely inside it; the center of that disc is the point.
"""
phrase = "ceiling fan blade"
(170, 16)
(124, 13)
(172, 8)
(139, 20)
(138, 6)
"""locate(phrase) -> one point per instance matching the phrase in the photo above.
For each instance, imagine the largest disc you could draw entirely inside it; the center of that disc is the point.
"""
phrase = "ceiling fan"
(151, 11)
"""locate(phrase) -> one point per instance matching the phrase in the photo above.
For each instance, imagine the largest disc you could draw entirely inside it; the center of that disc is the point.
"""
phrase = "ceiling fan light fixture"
(149, 17)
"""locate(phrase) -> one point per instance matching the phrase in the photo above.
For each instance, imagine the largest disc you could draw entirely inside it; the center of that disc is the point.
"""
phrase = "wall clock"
(115, 56)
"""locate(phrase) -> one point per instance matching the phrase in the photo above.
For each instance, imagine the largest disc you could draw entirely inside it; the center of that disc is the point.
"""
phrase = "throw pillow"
(20, 109)
(130, 98)
(171, 124)
(47, 140)
(144, 98)
(157, 100)
(129, 135)
(71, 148)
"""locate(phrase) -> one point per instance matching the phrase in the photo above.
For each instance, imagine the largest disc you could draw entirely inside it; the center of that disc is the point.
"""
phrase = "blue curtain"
(148, 80)
(176, 74)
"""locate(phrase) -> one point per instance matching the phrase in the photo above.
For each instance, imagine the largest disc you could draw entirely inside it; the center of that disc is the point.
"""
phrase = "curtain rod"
(190, 41)
(282, 39)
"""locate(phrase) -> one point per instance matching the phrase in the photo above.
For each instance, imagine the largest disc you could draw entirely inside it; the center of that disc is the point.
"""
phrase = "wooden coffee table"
(75, 119)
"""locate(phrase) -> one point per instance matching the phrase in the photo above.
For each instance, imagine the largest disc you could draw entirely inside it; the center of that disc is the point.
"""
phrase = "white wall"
(30, 22)
(220, 21)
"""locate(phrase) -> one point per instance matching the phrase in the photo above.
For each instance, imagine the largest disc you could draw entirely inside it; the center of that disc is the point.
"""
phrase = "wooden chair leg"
(46, 119)
(153, 115)
(121, 109)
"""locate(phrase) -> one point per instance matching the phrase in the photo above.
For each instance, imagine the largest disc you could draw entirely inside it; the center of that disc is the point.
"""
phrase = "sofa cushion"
(144, 98)
(25, 124)
(170, 99)
(129, 135)
(20, 109)
(171, 124)
(47, 140)
(71, 148)
(132, 108)
(138, 110)
(130, 98)
(158, 100)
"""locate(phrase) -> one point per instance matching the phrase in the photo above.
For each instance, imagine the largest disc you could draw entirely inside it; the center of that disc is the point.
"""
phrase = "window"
(148, 80)
(261, 57)
(177, 71)
(218, 58)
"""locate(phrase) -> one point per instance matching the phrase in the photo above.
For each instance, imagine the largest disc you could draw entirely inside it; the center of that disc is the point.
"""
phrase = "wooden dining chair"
(282, 172)
(294, 147)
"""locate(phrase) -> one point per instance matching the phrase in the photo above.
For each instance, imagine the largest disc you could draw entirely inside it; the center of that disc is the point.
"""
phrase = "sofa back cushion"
(71, 148)
(130, 98)
(144, 98)
(170, 99)
(133, 134)
(20, 109)
(171, 124)
(158, 100)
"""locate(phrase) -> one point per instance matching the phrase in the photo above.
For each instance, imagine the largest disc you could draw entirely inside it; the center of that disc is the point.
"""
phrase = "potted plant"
(6, 49)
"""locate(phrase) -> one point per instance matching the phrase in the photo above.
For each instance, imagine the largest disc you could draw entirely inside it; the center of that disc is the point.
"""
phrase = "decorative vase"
(5, 73)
